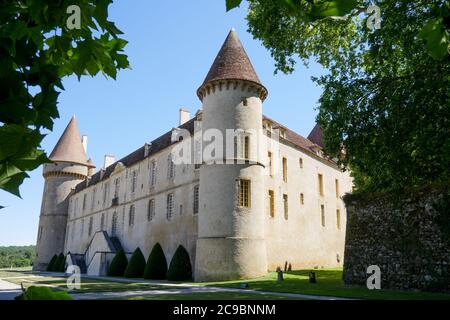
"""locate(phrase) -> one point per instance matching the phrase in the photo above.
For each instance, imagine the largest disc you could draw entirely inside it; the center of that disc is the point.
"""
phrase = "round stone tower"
(69, 167)
(231, 240)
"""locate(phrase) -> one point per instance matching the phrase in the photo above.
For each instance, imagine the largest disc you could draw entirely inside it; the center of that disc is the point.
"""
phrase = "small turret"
(70, 166)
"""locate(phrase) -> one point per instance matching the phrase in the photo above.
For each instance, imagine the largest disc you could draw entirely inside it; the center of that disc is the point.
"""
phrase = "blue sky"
(171, 46)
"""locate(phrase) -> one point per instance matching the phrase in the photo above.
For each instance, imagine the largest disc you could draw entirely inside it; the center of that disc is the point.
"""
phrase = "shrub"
(62, 263)
(180, 268)
(136, 266)
(43, 293)
(156, 267)
(51, 264)
(118, 264)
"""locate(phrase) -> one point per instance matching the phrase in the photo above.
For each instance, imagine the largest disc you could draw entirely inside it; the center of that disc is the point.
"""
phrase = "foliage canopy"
(37, 50)
(385, 107)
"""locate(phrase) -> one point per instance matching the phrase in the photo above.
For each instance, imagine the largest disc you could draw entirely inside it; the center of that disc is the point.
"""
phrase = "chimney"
(109, 160)
(147, 147)
(84, 141)
(185, 116)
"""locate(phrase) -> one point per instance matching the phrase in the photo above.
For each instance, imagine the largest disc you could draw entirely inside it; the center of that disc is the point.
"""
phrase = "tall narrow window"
(271, 203)
(102, 222)
(246, 147)
(244, 193)
(302, 199)
(196, 189)
(131, 216)
(285, 177)
(269, 155)
(116, 187)
(91, 222)
(338, 219)
(336, 182)
(181, 209)
(169, 206)
(114, 224)
(170, 168)
(105, 192)
(286, 206)
(242, 145)
(320, 179)
(151, 209)
(244, 102)
(84, 201)
(300, 163)
(94, 192)
(133, 181)
(322, 214)
(197, 153)
(40, 233)
(153, 173)
(75, 208)
(82, 228)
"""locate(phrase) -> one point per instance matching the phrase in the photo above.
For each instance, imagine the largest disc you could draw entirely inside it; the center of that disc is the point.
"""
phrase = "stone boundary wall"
(407, 236)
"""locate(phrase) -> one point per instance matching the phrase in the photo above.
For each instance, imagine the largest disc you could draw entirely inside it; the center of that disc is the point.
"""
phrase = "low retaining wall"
(407, 236)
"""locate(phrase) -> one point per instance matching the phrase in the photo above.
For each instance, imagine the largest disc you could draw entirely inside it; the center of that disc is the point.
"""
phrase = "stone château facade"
(275, 202)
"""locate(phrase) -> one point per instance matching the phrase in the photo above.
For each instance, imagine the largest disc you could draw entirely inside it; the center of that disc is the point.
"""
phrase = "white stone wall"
(180, 229)
(301, 240)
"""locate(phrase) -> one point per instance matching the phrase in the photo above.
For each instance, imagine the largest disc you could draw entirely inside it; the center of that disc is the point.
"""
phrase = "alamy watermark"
(374, 280)
(74, 280)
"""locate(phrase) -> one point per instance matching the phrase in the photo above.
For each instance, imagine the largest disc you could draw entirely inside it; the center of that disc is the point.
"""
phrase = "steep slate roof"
(157, 145)
(165, 141)
(232, 63)
(294, 137)
(316, 135)
(69, 147)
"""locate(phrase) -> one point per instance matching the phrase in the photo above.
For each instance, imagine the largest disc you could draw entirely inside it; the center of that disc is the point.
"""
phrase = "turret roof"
(69, 147)
(232, 63)
(316, 136)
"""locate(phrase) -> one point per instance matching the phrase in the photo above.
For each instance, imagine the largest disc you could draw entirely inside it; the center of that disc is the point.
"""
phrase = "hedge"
(118, 264)
(136, 266)
(180, 268)
(156, 267)
(51, 264)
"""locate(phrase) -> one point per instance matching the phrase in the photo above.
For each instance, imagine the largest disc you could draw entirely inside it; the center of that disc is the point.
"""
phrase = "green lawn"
(210, 296)
(329, 283)
(87, 284)
(16, 272)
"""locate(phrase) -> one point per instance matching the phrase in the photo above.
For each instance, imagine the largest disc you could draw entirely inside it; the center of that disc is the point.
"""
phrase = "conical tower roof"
(69, 147)
(231, 63)
(316, 135)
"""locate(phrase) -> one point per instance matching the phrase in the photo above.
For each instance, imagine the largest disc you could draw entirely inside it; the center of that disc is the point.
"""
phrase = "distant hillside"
(17, 256)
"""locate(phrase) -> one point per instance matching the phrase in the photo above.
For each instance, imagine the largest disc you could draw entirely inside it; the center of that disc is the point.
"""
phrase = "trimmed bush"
(58, 262)
(136, 266)
(62, 263)
(118, 264)
(180, 268)
(156, 267)
(51, 264)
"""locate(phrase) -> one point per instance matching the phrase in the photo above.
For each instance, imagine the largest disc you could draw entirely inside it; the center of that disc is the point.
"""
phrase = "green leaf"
(336, 8)
(231, 4)
(437, 39)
